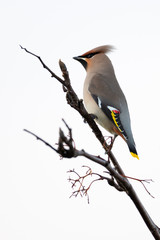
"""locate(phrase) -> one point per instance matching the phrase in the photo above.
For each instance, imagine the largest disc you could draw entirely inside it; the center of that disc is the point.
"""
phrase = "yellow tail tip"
(134, 155)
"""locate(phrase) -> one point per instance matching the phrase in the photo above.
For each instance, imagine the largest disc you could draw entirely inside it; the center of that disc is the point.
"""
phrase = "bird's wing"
(108, 100)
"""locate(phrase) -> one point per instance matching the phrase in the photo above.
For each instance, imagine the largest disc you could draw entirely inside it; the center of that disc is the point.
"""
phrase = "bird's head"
(87, 58)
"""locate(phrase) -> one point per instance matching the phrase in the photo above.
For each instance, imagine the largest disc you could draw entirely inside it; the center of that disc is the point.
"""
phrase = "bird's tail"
(133, 150)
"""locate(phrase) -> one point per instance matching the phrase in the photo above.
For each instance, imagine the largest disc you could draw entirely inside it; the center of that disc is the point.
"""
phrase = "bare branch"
(142, 181)
(66, 146)
(38, 138)
(44, 65)
(66, 149)
(84, 191)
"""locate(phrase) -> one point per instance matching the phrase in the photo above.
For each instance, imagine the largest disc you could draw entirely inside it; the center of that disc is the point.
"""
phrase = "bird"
(103, 96)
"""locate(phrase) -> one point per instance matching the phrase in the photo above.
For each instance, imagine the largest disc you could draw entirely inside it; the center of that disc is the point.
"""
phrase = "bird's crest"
(101, 49)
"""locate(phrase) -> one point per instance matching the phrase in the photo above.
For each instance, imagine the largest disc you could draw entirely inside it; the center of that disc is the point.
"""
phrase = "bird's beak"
(81, 60)
(77, 58)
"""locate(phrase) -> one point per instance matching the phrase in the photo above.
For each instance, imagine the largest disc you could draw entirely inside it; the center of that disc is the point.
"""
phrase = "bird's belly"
(101, 118)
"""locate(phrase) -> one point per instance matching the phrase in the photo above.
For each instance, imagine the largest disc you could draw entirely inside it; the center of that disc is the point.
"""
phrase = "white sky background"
(34, 191)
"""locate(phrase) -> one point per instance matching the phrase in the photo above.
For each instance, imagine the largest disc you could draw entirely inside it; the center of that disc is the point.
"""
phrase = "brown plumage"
(101, 49)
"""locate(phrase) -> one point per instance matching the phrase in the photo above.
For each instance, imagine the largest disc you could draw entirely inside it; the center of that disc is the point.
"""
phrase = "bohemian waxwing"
(103, 96)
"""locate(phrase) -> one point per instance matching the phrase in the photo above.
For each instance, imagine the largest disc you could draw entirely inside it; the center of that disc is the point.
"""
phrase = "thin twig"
(84, 191)
(44, 65)
(42, 140)
(142, 182)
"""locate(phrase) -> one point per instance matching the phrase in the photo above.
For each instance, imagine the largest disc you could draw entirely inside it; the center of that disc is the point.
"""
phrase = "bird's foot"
(93, 116)
(110, 143)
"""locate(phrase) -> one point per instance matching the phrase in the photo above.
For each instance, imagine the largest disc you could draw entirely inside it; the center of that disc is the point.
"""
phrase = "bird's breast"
(92, 108)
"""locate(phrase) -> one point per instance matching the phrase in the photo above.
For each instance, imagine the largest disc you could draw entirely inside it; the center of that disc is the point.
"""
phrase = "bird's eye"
(90, 55)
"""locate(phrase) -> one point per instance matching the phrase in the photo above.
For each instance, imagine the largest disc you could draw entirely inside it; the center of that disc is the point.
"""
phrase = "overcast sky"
(34, 191)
